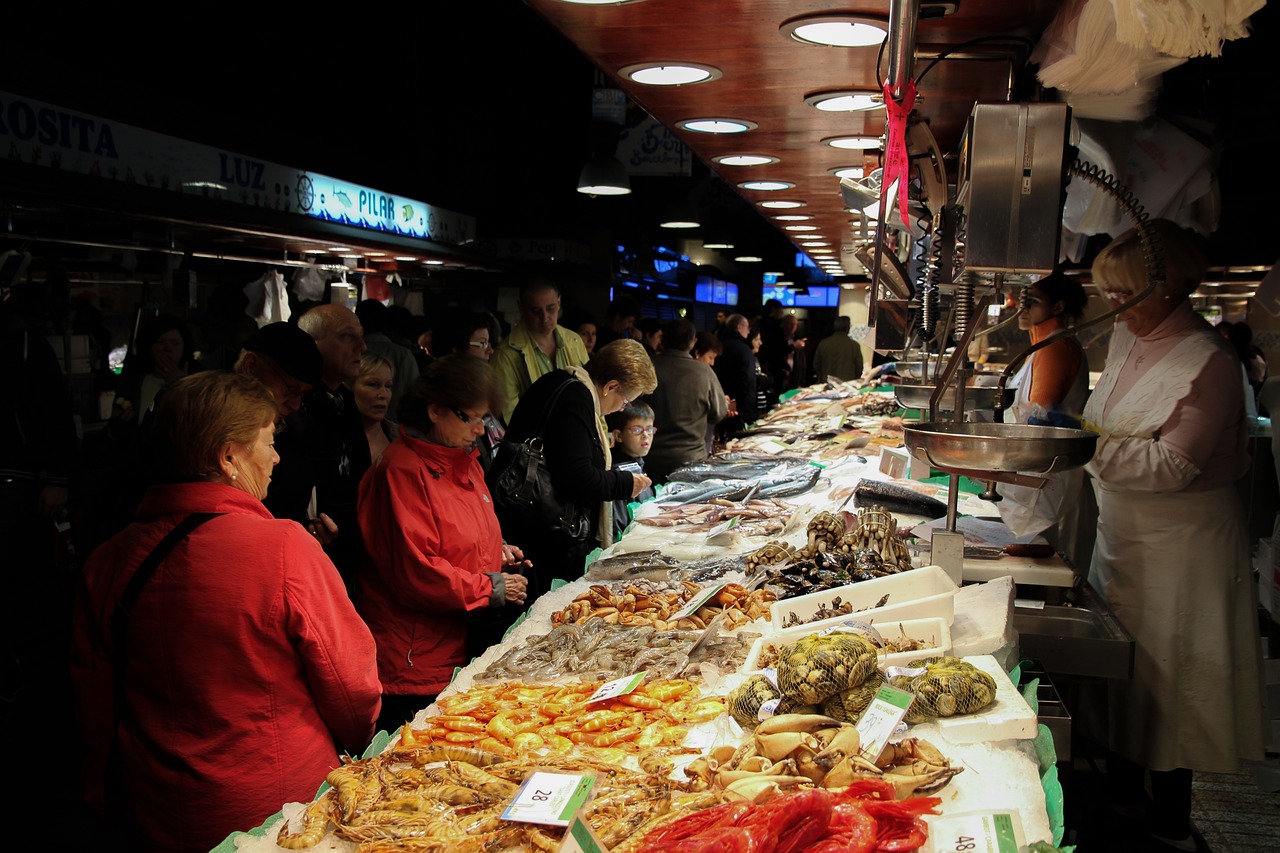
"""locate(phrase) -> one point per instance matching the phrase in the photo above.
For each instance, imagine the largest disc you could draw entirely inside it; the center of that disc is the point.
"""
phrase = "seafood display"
(756, 517)
(895, 498)
(654, 565)
(946, 686)
(643, 605)
(885, 644)
(860, 819)
(794, 751)
(737, 466)
(597, 649)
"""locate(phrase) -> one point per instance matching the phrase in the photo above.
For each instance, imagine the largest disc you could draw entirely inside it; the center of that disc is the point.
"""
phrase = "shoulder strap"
(120, 622)
(550, 405)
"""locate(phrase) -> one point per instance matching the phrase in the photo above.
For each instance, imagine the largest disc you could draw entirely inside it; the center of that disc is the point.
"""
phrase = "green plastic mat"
(966, 485)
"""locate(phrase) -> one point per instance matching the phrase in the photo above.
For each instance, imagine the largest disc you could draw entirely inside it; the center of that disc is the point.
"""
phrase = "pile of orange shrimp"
(512, 718)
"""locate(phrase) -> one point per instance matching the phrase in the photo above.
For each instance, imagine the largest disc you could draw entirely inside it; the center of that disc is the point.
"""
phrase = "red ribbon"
(897, 162)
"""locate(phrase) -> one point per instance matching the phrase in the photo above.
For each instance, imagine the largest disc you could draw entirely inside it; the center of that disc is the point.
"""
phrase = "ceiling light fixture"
(782, 204)
(793, 217)
(811, 243)
(837, 30)
(600, 2)
(821, 251)
(850, 172)
(744, 160)
(846, 100)
(749, 259)
(432, 262)
(670, 74)
(405, 258)
(716, 125)
(800, 228)
(604, 175)
(375, 254)
(679, 223)
(717, 245)
(766, 186)
(854, 143)
(338, 249)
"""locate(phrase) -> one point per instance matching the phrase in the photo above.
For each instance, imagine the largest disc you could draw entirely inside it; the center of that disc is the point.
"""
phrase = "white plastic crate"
(913, 594)
(932, 631)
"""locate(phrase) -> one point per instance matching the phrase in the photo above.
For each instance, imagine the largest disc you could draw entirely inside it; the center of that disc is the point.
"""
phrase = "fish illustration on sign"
(341, 197)
(406, 211)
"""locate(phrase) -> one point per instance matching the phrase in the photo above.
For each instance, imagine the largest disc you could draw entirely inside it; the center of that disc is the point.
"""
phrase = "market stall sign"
(550, 798)
(881, 719)
(618, 687)
(696, 603)
(42, 134)
(580, 838)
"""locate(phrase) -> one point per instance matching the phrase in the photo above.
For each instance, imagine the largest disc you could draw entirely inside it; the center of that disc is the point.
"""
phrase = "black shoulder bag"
(520, 484)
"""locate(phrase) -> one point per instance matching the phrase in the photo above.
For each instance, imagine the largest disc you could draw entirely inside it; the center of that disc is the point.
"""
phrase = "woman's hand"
(639, 482)
(513, 556)
(324, 528)
(516, 587)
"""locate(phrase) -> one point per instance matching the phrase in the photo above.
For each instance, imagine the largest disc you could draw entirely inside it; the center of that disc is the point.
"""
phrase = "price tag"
(723, 528)
(550, 798)
(772, 446)
(617, 687)
(880, 719)
(865, 629)
(976, 832)
(580, 838)
(767, 709)
(696, 602)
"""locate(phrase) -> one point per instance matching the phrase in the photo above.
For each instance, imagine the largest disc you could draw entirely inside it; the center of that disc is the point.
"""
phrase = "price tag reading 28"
(550, 798)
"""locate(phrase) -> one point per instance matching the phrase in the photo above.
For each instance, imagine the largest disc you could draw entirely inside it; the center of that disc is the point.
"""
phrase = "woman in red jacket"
(228, 684)
(435, 552)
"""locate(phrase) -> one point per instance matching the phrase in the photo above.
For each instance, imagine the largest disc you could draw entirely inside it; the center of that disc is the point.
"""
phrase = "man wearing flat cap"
(286, 360)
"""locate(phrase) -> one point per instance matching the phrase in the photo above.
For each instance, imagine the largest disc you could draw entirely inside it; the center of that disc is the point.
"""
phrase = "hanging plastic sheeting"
(1080, 55)
(1105, 57)
(1183, 28)
(268, 300)
(309, 285)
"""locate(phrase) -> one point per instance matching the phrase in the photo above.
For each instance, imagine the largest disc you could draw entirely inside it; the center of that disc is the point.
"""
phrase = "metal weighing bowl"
(917, 397)
(917, 369)
(1001, 447)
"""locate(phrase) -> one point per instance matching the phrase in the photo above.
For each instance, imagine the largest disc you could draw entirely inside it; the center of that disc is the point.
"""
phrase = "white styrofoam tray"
(932, 631)
(1008, 717)
(914, 594)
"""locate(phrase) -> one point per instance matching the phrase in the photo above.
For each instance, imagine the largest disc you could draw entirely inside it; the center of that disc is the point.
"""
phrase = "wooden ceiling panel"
(767, 75)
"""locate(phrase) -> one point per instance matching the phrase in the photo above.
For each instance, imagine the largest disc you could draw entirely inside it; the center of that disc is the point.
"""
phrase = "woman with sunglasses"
(435, 552)
(565, 408)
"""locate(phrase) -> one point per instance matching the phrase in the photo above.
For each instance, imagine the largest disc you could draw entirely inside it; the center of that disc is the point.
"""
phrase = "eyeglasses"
(478, 344)
(469, 420)
(639, 430)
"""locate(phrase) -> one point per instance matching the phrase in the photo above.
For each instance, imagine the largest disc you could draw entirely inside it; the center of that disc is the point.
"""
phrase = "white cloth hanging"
(268, 300)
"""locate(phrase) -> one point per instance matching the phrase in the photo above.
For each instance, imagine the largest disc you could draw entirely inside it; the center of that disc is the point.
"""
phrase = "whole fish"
(896, 498)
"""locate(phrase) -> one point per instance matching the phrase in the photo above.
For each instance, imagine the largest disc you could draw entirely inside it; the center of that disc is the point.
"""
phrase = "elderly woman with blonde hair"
(565, 408)
(219, 665)
(1172, 552)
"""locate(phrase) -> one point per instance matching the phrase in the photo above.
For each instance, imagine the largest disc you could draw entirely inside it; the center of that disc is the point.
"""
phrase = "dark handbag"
(520, 485)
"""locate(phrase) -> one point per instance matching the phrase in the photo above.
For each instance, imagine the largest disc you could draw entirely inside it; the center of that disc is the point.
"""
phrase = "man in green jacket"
(537, 345)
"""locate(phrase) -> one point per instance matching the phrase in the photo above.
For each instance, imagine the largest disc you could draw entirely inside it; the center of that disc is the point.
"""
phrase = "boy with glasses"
(632, 432)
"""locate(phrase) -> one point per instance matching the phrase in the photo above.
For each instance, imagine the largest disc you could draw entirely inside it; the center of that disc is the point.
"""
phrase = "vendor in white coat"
(1172, 556)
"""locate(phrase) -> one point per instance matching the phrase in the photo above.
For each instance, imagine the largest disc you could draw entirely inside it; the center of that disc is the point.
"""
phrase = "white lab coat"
(1174, 567)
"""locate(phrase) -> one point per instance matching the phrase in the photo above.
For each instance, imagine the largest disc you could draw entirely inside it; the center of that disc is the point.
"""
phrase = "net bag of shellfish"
(847, 706)
(948, 686)
(815, 667)
(746, 699)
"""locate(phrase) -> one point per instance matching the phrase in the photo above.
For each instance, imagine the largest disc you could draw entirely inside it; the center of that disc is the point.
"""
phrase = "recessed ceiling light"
(837, 30)
(375, 254)
(744, 160)
(433, 263)
(405, 258)
(821, 251)
(338, 249)
(800, 228)
(748, 259)
(782, 204)
(793, 217)
(679, 223)
(846, 100)
(670, 74)
(600, 2)
(850, 172)
(717, 245)
(854, 143)
(766, 186)
(717, 125)
(810, 243)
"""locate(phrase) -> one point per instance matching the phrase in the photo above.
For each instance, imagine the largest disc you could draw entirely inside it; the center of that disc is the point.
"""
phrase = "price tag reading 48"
(550, 798)
(976, 832)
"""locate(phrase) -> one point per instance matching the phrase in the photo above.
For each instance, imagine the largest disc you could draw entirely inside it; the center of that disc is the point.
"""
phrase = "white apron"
(1174, 567)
